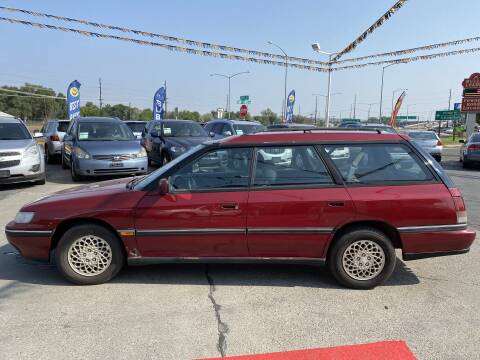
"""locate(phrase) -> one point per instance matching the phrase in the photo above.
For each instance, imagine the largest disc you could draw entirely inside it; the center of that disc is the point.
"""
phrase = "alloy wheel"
(363, 260)
(89, 255)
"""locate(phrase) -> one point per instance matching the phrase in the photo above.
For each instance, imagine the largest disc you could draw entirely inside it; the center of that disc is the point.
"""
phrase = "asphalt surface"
(195, 311)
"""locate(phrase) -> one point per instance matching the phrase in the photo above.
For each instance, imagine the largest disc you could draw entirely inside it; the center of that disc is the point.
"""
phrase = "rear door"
(294, 204)
(205, 213)
(391, 183)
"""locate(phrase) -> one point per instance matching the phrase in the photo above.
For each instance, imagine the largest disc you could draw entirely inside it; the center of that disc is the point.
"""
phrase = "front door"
(294, 205)
(205, 212)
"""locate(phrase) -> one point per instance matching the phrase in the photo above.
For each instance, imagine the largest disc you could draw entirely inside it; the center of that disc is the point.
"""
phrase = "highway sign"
(244, 99)
(447, 115)
(410, 117)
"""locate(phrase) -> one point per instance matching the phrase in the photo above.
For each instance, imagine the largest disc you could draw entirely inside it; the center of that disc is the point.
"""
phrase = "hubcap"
(363, 260)
(89, 255)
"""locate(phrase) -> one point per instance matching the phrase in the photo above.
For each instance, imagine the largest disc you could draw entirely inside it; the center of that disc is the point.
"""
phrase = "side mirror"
(37, 135)
(163, 186)
(461, 141)
(155, 133)
(211, 133)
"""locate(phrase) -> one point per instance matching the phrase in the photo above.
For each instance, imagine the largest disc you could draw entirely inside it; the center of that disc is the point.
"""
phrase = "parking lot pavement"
(195, 311)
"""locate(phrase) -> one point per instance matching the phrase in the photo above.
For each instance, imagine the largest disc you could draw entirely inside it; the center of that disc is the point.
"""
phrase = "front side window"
(182, 129)
(378, 163)
(219, 169)
(290, 165)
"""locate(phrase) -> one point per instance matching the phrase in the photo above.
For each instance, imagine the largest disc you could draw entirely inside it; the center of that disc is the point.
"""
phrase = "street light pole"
(229, 77)
(284, 107)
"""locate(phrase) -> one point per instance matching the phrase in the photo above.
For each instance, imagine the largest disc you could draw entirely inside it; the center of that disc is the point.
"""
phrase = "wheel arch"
(388, 229)
(69, 223)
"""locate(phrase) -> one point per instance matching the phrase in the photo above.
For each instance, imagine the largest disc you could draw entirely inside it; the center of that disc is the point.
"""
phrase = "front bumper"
(93, 167)
(23, 170)
(31, 244)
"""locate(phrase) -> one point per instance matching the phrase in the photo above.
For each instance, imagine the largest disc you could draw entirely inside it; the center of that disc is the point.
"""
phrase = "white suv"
(21, 158)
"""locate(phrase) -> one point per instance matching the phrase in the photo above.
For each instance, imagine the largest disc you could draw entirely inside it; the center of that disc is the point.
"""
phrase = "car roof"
(179, 120)
(310, 136)
(134, 122)
(235, 121)
(376, 125)
(98, 119)
(10, 120)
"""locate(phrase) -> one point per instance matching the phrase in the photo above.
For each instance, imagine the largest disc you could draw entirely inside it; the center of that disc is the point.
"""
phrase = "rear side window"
(290, 165)
(378, 163)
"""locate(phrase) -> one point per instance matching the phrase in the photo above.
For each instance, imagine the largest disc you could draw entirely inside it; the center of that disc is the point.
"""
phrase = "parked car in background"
(381, 127)
(351, 125)
(292, 126)
(52, 133)
(98, 146)
(21, 158)
(221, 128)
(470, 150)
(429, 141)
(223, 201)
(165, 140)
(137, 127)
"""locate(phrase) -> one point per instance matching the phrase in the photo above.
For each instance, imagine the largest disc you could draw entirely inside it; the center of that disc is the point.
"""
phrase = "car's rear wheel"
(89, 254)
(362, 258)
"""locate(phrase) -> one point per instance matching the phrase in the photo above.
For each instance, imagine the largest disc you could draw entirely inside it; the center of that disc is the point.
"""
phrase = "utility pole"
(316, 108)
(129, 111)
(355, 106)
(166, 96)
(450, 99)
(100, 94)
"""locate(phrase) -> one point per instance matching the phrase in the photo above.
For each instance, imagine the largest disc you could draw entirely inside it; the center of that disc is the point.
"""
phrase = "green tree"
(267, 117)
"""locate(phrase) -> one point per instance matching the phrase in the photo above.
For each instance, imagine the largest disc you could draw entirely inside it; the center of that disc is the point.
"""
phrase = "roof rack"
(372, 129)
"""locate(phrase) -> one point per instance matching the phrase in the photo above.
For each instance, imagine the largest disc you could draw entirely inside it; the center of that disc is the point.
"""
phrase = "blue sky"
(132, 73)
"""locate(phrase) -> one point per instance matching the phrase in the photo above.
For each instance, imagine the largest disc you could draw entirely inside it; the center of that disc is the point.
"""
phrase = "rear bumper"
(32, 244)
(471, 157)
(420, 245)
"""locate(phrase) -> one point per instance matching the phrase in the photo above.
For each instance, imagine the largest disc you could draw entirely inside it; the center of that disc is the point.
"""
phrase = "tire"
(465, 164)
(41, 181)
(370, 276)
(79, 272)
(48, 157)
(64, 165)
(73, 172)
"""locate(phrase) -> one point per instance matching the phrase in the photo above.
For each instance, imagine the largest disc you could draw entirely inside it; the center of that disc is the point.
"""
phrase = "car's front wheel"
(89, 254)
(73, 171)
(362, 258)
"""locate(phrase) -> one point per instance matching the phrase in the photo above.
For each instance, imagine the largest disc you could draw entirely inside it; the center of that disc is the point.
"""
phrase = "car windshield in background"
(183, 129)
(423, 135)
(13, 131)
(384, 129)
(104, 131)
(242, 129)
(136, 127)
(63, 126)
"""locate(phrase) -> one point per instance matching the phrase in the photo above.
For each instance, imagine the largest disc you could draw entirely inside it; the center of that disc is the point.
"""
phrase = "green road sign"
(407, 117)
(244, 98)
(447, 115)
(244, 102)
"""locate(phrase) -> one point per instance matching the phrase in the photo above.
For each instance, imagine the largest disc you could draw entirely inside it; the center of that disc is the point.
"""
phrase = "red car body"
(286, 223)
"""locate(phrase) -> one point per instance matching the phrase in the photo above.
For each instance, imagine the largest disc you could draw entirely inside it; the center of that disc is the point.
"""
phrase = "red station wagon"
(342, 198)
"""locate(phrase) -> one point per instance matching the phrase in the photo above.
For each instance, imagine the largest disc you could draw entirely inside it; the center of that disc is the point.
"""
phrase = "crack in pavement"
(222, 327)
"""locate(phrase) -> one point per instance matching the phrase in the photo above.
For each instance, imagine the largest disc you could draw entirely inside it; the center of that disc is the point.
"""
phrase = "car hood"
(15, 145)
(188, 141)
(110, 147)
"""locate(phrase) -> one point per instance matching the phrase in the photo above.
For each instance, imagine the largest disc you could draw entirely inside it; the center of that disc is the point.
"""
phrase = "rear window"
(243, 129)
(63, 126)
(475, 138)
(378, 163)
(423, 135)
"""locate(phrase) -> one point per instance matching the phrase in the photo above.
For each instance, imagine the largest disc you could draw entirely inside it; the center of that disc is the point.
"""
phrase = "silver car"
(53, 132)
(98, 146)
(470, 151)
(429, 141)
(21, 158)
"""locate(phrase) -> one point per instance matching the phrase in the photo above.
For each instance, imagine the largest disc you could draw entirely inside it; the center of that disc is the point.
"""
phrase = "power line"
(34, 94)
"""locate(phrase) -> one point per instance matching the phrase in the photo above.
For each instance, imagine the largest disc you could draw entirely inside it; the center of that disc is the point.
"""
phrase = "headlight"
(31, 152)
(24, 217)
(82, 154)
(177, 149)
(142, 153)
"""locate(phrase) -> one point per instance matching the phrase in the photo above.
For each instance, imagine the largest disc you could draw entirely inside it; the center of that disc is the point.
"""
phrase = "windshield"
(241, 129)
(423, 135)
(104, 131)
(182, 129)
(157, 174)
(63, 126)
(136, 127)
(13, 131)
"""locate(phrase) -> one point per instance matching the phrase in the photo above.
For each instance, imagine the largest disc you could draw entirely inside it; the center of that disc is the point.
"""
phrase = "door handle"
(336, 204)
(229, 206)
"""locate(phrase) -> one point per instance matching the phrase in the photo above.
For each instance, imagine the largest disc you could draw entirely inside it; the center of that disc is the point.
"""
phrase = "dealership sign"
(73, 100)
(471, 94)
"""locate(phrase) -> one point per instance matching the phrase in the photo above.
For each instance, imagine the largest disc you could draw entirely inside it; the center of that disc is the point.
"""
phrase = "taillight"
(474, 147)
(439, 143)
(54, 138)
(459, 206)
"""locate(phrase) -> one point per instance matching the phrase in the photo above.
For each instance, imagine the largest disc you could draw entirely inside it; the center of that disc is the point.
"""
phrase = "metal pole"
(316, 107)
(327, 106)
(355, 107)
(285, 89)
(381, 96)
(229, 78)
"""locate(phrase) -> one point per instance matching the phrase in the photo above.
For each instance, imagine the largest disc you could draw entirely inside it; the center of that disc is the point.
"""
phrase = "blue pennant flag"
(73, 100)
(290, 104)
(159, 104)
